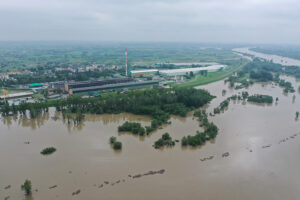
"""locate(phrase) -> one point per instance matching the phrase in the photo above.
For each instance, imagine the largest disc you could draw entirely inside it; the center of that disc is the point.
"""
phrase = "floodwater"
(259, 166)
(286, 61)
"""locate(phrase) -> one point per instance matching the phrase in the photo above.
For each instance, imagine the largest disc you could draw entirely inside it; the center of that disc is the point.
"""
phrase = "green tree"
(112, 140)
(26, 187)
(117, 145)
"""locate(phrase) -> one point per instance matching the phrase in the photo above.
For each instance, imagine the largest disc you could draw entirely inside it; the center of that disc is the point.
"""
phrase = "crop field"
(18, 55)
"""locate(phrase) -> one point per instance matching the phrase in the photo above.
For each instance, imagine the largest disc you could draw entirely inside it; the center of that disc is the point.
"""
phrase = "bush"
(26, 187)
(165, 140)
(259, 98)
(48, 150)
(211, 131)
(112, 140)
(132, 127)
(117, 145)
(184, 141)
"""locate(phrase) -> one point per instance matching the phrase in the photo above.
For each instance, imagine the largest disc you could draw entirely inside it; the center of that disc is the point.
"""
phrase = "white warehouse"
(184, 71)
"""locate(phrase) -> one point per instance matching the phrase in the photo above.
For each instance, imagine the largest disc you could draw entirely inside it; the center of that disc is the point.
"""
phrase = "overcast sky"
(254, 21)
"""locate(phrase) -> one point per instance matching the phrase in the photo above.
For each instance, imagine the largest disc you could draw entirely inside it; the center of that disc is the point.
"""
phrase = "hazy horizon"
(215, 21)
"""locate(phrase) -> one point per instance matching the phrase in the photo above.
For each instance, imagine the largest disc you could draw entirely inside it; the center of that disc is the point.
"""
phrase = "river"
(286, 61)
(259, 166)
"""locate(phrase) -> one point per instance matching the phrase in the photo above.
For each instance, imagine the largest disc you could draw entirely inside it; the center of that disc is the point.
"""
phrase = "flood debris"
(6, 198)
(76, 192)
(52, 187)
(7, 187)
(225, 154)
(106, 182)
(100, 186)
(206, 158)
(149, 173)
(266, 146)
(54, 118)
(137, 176)
(287, 138)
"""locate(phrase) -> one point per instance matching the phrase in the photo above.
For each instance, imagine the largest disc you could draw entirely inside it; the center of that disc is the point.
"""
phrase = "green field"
(213, 76)
(48, 55)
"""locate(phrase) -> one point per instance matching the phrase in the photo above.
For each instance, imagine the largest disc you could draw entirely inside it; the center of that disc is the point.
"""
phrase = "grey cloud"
(263, 21)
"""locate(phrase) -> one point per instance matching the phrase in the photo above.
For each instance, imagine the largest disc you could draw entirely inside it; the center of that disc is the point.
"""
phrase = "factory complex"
(131, 79)
(176, 72)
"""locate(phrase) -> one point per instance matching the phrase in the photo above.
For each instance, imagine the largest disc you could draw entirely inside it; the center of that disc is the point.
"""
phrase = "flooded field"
(255, 155)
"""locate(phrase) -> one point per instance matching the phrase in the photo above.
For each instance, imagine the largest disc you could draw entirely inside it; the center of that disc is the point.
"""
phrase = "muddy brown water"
(84, 160)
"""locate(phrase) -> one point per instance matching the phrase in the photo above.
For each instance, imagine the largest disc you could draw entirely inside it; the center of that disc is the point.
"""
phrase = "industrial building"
(16, 95)
(185, 71)
(35, 85)
(112, 86)
(95, 83)
(145, 72)
(57, 85)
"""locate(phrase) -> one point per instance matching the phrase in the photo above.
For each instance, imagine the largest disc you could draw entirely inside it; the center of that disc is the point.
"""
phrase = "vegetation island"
(48, 151)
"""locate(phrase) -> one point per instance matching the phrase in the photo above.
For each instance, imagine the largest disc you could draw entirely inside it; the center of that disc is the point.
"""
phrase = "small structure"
(16, 95)
(185, 71)
(112, 86)
(143, 72)
(35, 85)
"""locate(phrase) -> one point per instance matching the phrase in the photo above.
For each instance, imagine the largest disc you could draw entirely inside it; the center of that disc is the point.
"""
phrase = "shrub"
(48, 150)
(26, 187)
(132, 127)
(258, 98)
(117, 145)
(112, 140)
(165, 140)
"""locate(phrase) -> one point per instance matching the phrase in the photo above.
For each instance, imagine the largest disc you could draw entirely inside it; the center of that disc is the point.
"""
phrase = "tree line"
(158, 103)
(210, 131)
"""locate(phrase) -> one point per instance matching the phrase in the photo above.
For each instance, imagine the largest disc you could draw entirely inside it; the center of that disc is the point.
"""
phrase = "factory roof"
(143, 71)
(16, 95)
(113, 86)
(196, 63)
(182, 70)
(36, 85)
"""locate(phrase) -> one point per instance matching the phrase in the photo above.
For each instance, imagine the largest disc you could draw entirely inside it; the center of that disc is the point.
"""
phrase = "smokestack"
(126, 70)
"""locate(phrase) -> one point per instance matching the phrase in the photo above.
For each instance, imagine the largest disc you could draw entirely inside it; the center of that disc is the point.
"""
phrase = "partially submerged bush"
(48, 150)
(117, 145)
(165, 140)
(26, 187)
(112, 140)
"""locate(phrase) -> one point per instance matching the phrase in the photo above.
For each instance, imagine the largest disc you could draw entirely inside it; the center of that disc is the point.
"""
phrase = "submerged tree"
(26, 187)
(112, 140)
(117, 145)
